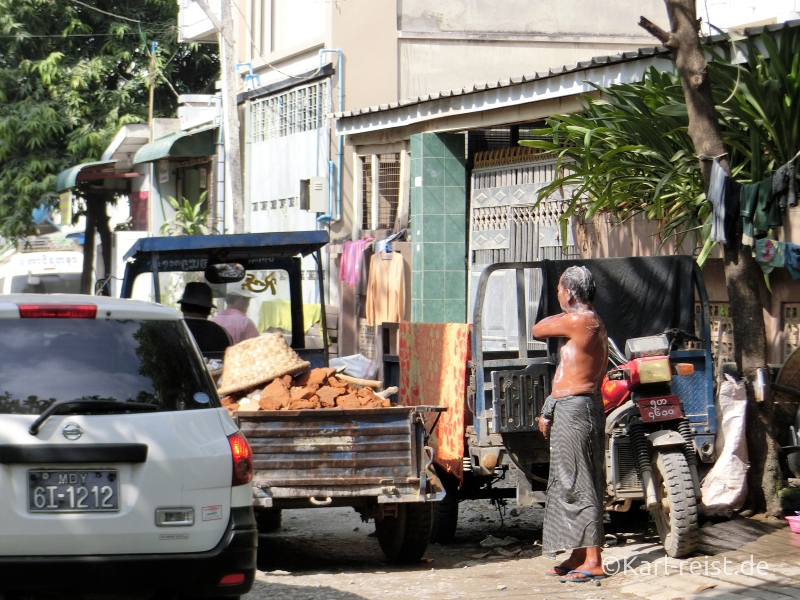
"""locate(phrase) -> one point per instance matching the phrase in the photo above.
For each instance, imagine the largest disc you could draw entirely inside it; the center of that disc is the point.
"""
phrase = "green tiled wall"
(438, 228)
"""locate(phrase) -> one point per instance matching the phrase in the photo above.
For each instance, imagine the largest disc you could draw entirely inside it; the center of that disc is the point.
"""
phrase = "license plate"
(662, 408)
(73, 491)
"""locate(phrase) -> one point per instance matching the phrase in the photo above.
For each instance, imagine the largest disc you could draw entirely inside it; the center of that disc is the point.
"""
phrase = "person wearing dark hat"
(234, 318)
(196, 305)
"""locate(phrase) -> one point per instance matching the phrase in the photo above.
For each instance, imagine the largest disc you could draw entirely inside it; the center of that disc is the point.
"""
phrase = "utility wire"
(261, 56)
(109, 13)
(77, 35)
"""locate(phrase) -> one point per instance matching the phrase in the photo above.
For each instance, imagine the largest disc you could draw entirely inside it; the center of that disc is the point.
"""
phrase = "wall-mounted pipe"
(330, 215)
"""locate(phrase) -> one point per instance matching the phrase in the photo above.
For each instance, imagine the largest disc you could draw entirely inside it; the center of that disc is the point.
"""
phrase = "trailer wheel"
(445, 518)
(676, 515)
(268, 519)
(404, 538)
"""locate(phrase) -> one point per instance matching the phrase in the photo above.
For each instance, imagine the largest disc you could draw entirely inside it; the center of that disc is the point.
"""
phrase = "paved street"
(328, 553)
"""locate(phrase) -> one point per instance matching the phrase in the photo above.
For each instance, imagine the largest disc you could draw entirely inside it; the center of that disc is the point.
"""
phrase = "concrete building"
(300, 60)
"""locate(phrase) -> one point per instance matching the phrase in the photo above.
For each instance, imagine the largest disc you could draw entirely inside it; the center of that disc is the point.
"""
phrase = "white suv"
(119, 470)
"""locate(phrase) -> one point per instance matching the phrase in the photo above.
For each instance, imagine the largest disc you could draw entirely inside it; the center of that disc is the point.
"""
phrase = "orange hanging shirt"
(386, 290)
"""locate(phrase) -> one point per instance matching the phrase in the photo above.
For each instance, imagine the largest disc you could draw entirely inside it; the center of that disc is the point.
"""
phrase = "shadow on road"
(277, 591)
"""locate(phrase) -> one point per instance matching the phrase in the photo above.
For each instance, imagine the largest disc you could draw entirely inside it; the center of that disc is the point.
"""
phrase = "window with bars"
(366, 192)
(296, 111)
(380, 196)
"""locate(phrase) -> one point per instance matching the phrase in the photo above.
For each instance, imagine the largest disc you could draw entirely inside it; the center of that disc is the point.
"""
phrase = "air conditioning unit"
(314, 194)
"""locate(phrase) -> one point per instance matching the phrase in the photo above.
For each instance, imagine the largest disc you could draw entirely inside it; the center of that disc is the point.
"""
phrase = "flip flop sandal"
(586, 577)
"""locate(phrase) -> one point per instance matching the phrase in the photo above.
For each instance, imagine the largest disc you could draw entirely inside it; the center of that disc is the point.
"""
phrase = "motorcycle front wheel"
(676, 515)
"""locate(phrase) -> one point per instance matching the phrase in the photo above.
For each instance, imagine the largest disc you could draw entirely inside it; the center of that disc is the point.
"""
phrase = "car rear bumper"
(195, 574)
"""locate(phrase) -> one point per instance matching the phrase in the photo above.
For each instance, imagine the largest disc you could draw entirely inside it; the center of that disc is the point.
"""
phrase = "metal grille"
(536, 172)
(366, 338)
(791, 328)
(508, 221)
(366, 191)
(296, 111)
(481, 140)
(388, 189)
(629, 480)
(721, 326)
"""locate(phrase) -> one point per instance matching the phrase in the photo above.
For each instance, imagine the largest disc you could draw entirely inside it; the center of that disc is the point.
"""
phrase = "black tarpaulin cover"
(637, 296)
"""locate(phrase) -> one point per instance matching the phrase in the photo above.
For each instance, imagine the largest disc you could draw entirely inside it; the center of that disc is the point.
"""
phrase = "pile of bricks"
(317, 388)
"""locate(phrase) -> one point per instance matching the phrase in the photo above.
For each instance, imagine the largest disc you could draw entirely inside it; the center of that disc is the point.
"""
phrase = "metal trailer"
(375, 460)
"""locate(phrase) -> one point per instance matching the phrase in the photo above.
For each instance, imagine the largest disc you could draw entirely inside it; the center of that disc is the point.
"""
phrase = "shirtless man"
(573, 414)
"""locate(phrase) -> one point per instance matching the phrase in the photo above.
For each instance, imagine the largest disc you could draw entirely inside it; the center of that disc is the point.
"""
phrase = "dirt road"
(322, 554)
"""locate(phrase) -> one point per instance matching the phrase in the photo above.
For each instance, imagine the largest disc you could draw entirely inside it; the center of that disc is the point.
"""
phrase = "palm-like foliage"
(759, 101)
(189, 219)
(629, 152)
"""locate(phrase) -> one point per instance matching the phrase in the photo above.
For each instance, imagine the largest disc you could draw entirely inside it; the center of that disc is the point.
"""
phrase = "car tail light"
(57, 311)
(232, 579)
(242, 459)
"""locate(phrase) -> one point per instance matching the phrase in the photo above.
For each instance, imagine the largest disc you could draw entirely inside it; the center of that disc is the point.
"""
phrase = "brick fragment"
(303, 393)
(303, 403)
(337, 383)
(327, 395)
(348, 401)
(275, 395)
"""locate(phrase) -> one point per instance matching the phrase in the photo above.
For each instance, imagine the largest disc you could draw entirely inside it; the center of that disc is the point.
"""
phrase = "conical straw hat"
(257, 361)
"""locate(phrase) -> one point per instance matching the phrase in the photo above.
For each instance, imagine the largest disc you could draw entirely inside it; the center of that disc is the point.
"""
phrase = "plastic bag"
(356, 365)
(725, 487)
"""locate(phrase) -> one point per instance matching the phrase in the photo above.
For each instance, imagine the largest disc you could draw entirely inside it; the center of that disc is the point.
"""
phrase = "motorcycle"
(650, 451)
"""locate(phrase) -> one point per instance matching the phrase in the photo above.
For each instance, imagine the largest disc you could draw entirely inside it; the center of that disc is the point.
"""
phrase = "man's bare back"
(584, 357)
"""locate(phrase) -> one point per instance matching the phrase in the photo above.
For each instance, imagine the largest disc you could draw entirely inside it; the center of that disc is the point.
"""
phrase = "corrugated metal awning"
(180, 144)
(68, 178)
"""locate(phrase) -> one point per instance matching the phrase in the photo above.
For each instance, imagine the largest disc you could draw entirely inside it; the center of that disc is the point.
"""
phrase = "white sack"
(356, 365)
(724, 489)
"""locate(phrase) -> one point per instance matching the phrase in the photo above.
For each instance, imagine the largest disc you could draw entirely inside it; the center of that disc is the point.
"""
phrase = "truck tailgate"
(326, 454)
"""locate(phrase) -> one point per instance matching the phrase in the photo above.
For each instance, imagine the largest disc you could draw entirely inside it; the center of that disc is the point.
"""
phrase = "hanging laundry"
(792, 256)
(769, 254)
(350, 264)
(748, 197)
(733, 190)
(759, 210)
(768, 211)
(716, 196)
(784, 185)
(386, 291)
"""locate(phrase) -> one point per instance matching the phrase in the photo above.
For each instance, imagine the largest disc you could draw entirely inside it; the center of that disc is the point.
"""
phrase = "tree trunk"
(742, 274)
(88, 249)
(101, 224)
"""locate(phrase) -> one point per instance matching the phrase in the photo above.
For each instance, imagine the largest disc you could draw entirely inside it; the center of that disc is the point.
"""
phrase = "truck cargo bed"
(334, 456)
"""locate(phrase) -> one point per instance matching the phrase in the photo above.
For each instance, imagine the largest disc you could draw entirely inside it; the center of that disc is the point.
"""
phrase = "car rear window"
(49, 360)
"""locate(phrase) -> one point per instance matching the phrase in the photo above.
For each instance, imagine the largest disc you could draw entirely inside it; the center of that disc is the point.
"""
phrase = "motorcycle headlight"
(655, 371)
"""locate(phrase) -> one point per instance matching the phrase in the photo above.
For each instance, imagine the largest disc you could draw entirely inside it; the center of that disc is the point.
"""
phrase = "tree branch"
(663, 36)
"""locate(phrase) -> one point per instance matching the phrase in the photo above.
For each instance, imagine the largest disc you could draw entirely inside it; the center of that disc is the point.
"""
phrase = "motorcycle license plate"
(661, 408)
